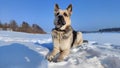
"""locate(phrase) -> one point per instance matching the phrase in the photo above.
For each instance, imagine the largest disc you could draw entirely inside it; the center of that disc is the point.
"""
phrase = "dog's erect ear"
(56, 8)
(69, 8)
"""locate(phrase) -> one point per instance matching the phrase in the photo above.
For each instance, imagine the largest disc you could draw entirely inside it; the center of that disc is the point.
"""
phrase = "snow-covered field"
(22, 50)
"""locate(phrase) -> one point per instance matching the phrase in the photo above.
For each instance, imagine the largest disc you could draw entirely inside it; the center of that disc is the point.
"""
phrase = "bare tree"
(25, 27)
(1, 25)
(13, 25)
(5, 26)
(37, 29)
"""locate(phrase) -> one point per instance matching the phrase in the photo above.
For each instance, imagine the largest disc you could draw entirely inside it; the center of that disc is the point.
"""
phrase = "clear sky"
(87, 14)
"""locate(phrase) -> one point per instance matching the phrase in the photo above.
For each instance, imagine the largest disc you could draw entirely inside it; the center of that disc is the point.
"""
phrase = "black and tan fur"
(63, 35)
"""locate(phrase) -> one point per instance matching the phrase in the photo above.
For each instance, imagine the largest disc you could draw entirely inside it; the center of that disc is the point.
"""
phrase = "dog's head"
(62, 17)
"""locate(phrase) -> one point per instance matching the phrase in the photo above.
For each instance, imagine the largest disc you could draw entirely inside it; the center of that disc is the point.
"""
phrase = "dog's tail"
(85, 41)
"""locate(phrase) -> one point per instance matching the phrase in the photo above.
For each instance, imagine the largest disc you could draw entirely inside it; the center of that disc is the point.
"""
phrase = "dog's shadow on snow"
(19, 56)
(46, 45)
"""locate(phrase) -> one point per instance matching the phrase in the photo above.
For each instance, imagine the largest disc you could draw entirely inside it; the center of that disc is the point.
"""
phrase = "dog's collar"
(60, 30)
(65, 30)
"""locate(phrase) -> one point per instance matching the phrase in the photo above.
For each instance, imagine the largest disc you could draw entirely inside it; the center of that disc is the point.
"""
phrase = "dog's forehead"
(63, 11)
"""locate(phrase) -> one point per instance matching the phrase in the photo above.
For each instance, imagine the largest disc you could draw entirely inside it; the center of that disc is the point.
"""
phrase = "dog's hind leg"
(78, 40)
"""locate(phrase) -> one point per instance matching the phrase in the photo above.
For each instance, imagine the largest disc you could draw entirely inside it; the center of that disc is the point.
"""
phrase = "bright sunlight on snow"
(23, 50)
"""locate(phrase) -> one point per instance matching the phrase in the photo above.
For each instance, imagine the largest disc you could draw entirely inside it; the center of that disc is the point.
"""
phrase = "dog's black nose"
(61, 20)
(60, 16)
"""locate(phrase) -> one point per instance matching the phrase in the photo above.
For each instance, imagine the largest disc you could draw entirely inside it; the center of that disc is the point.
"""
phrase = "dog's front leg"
(63, 55)
(53, 53)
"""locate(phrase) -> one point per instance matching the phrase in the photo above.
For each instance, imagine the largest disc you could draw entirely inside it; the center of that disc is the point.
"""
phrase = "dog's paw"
(60, 59)
(50, 57)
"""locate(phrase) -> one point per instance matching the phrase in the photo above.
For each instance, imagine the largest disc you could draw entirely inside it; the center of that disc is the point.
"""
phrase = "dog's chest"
(61, 40)
(60, 36)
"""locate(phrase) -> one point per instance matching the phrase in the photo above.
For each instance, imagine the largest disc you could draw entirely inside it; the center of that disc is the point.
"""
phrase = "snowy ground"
(22, 50)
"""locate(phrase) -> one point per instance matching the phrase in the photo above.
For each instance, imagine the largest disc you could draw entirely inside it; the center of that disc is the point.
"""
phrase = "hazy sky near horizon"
(87, 14)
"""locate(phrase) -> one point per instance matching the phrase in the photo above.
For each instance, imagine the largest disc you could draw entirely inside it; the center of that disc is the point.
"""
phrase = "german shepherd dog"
(63, 35)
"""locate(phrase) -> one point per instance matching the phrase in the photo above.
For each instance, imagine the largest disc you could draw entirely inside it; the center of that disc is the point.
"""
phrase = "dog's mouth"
(61, 22)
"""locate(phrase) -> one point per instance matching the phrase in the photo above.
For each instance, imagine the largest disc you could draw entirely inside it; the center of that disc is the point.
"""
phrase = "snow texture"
(23, 50)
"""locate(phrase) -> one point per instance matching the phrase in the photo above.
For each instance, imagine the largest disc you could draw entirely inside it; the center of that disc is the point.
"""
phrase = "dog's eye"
(57, 14)
(65, 14)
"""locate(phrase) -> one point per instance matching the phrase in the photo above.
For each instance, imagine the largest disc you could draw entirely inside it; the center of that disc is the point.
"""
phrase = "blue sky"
(87, 14)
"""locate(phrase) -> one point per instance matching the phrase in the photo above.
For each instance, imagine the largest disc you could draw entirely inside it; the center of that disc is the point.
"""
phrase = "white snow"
(27, 59)
(22, 50)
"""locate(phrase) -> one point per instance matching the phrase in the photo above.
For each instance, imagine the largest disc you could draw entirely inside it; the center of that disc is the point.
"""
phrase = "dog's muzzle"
(61, 20)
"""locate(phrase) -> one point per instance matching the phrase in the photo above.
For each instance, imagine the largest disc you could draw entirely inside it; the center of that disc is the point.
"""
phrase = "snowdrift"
(22, 50)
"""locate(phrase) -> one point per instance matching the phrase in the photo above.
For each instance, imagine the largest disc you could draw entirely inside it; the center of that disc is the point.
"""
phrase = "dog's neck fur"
(67, 29)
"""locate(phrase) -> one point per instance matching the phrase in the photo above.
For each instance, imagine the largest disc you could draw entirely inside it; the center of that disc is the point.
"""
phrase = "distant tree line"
(110, 30)
(104, 30)
(24, 27)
